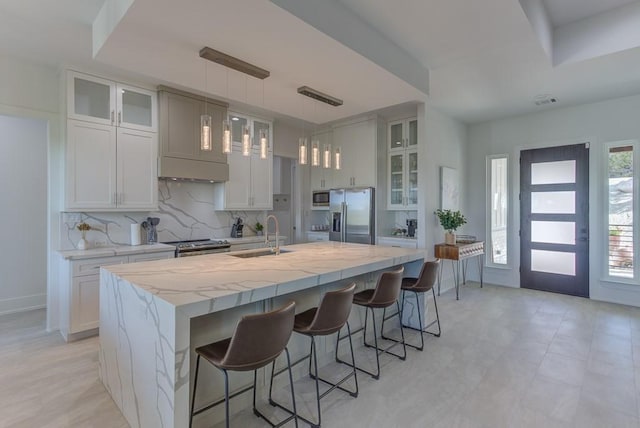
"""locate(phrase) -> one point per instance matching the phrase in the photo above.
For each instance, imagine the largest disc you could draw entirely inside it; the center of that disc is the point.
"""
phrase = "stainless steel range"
(199, 247)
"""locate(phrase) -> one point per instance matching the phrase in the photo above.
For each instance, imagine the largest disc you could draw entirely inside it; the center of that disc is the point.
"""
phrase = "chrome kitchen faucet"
(266, 234)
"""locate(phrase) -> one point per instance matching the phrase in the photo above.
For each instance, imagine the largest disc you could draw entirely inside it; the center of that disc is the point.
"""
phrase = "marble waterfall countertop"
(215, 282)
(119, 250)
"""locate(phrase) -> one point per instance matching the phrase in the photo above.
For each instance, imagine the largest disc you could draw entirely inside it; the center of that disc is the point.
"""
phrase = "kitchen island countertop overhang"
(146, 311)
(188, 283)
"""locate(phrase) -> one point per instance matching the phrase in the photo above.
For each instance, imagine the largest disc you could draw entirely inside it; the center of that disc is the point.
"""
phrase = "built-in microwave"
(320, 198)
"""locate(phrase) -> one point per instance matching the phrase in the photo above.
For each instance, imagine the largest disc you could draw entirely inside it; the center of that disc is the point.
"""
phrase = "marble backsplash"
(186, 211)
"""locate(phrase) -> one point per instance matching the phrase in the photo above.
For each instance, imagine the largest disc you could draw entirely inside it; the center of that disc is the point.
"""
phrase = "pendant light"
(326, 156)
(315, 153)
(205, 121)
(264, 144)
(302, 151)
(246, 140)
(338, 158)
(226, 136)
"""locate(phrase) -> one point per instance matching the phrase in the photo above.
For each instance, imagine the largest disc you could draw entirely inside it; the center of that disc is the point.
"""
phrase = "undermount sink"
(257, 253)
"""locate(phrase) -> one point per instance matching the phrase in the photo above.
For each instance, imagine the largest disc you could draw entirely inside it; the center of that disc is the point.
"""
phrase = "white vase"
(450, 238)
(83, 244)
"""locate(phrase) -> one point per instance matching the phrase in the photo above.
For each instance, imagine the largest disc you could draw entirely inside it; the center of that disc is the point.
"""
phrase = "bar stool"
(384, 295)
(329, 317)
(425, 282)
(258, 340)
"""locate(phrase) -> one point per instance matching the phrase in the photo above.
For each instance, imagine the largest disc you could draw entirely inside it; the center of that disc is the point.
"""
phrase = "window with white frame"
(621, 210)
(497, 209)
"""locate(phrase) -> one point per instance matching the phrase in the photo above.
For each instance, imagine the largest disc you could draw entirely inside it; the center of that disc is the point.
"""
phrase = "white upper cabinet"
(402, 166)
(250, 184)
(110, 168)
(358, 145)
(106, 102)
(403, 134)
(111, 153)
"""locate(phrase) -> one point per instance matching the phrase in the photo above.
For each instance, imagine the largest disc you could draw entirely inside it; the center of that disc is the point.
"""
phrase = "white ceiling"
(484, 59)
(563, 12)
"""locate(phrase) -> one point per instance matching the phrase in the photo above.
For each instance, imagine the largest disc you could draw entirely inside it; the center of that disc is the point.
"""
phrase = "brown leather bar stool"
(384, 295)
(329, 317)
(258, 340)
(422, 284)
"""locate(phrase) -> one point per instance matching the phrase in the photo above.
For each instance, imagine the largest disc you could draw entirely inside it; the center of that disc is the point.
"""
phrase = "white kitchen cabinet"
(250, 184)
(397, 242)
(101, 101)
(317, 236)
(110, 168)
(80, 281)
(321, 178)
(402, 166)
(358, 143)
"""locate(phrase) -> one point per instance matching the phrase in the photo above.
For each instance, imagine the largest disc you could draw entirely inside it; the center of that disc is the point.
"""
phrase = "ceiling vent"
(545, 99)
(233, 62)
(317, 95)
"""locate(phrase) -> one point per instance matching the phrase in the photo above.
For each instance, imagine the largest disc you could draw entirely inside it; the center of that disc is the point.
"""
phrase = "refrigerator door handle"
(344, 222)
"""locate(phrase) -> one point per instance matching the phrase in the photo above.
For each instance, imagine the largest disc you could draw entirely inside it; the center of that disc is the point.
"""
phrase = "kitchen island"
(154, 314)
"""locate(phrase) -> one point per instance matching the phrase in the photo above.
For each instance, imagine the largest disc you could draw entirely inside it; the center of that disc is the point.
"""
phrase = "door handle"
(119, 117)
(112, 116)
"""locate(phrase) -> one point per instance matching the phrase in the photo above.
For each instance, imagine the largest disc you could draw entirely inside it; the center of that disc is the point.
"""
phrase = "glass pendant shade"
(302, 151)
(205, 133)
(246, 141)
(326, 156)
(264, 144)
(338, 158)
(315, 153)
(226, 137)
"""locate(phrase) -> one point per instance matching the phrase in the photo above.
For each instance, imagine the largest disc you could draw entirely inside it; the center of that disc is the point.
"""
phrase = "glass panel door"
(396, 185)
(554, 219)
(92, 99)
(413, 133)
(396, 136)
(412, 178)
(136, 108)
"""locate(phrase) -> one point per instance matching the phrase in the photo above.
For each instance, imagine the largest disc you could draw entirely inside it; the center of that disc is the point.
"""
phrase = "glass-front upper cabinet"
(403, 134)
(97, 100)
(402, 165)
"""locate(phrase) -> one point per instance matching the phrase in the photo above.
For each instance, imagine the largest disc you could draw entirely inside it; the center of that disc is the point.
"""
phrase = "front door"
(554, 219)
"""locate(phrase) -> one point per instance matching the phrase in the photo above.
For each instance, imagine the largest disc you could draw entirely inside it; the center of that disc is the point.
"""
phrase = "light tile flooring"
(507, 358)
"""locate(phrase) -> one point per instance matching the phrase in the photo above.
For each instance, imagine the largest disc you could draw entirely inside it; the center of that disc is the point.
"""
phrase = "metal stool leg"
(293, 395)
(226, 398)
(193, 398)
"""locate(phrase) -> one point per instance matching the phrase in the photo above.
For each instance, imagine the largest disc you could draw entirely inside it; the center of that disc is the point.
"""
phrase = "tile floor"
(507, 358)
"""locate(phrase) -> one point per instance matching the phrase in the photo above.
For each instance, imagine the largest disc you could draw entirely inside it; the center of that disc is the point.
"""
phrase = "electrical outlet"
(99, 243)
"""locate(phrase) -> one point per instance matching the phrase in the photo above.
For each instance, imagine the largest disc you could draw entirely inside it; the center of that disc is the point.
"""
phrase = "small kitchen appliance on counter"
(236, 229)
(412, 224)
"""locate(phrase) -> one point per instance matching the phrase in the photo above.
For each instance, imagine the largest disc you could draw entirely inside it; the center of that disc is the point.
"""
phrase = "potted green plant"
(450, 221)
(259, 228)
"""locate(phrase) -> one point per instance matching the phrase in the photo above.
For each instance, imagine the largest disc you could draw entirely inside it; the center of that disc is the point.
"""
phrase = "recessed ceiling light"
(235, 118)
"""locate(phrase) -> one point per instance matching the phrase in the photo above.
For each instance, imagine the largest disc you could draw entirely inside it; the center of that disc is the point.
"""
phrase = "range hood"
(193, 170)
(179, 137)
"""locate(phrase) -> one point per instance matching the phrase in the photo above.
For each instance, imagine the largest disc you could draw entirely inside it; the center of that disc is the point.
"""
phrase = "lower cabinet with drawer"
(386, 241)
(80, 281)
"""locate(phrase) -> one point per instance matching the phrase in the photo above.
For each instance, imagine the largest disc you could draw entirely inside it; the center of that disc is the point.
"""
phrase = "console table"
(460, 253)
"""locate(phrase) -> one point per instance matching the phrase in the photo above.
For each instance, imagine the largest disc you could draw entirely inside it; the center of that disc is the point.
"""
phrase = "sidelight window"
(497, 209)
(621, 209)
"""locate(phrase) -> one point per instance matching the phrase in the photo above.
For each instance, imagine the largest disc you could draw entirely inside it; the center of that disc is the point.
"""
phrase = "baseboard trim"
(23, 304)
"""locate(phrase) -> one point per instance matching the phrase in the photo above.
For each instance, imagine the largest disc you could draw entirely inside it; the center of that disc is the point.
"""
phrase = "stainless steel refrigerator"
(352, 215)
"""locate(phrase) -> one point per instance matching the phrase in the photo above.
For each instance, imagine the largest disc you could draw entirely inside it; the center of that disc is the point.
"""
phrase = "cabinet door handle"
(119, 117)
(112, 116)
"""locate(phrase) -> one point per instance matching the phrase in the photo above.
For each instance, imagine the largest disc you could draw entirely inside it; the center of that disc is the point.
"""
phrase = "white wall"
(32, 90)
(23, 171)
(597, 123)
(444, 144)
